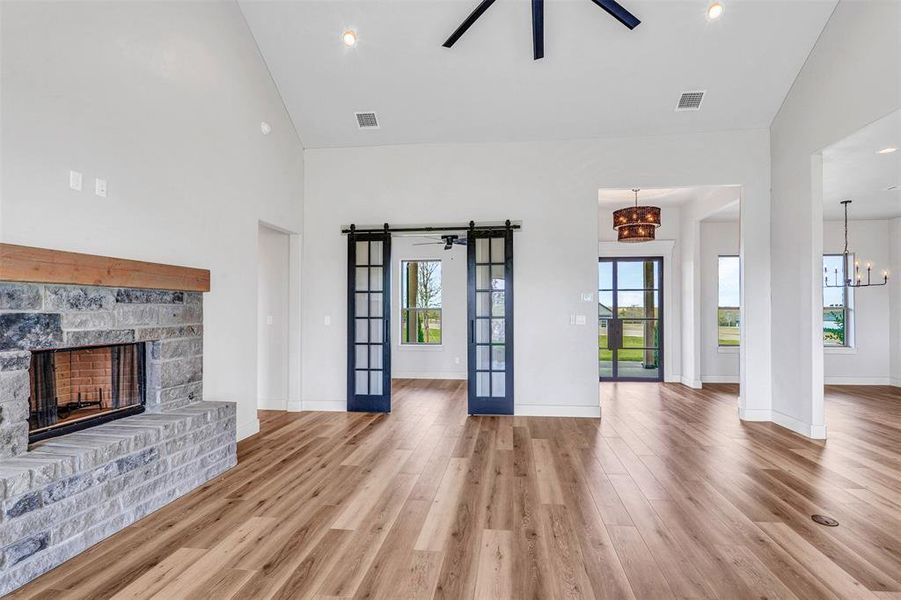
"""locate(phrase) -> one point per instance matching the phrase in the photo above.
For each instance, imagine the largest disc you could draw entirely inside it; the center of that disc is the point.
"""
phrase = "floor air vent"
(367, 120)
(690, 100)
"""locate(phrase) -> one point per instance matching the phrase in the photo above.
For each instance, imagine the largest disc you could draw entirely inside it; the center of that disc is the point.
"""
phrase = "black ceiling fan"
(448, 240)
(613, 7)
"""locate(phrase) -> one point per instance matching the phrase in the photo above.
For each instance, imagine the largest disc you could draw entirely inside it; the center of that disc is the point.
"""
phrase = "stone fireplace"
(101, 413)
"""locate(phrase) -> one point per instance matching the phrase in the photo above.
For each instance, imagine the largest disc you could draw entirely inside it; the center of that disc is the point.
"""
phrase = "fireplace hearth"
(76, 388)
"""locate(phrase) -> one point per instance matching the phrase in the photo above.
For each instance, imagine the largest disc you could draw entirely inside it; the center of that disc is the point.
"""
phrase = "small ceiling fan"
(447, 240)
(613, 7)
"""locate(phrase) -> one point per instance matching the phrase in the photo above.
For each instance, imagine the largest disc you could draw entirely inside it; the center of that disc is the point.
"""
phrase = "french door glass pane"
(605, 275)
(362, 351)
(497, 277)
(361, 308)
(375, 357)
(482, 357)
(362, 382)
(605, 303)
(362, 279)
(362, 330)
(640, 304)
(483, 277)
(376, 326)
(482, 250)
(375, 279)
(643, 364)
(498, 384)
(375, 304)
(483, 331)
(498, 358)
(362, 253)
(637, 274)
(497, 331)
(483, 304)
(375, 252)
(497, 250)
(640, 334)
(375, 383)
(497, 304)
(483, 384)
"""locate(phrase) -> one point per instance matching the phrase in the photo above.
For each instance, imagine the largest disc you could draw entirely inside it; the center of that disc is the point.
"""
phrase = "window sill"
(839, 350)
(423, 347)
(727, 349)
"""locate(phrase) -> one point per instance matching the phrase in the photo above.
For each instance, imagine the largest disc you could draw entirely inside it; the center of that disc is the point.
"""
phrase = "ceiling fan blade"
(467, 23)
(618, 12)
(538, 29)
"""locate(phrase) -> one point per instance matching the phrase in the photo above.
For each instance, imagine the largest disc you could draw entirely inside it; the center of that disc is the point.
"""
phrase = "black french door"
(630, 319)
(490, 309)
(369, 322)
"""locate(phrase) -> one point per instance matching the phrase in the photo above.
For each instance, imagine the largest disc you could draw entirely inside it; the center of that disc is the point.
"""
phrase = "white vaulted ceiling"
(597, 77)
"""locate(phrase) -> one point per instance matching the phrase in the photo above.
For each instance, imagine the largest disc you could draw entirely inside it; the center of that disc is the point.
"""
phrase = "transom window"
(728, 312)
(836, 302)
(420, 290)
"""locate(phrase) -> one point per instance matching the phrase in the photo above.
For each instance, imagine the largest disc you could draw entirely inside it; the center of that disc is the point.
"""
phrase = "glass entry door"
(490, 307)
(630, 319)
(368, 322)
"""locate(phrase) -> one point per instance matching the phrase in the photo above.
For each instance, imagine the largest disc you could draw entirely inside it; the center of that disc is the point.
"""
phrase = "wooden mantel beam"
(39, 265)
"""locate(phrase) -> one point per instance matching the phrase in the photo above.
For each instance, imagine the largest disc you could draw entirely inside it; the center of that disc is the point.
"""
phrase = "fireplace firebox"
(75, 388)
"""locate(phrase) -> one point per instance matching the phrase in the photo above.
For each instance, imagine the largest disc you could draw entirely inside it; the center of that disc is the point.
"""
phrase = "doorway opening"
(630, 319)
(273, 314)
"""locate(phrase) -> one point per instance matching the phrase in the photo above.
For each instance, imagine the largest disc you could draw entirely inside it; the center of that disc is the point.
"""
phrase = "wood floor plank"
(669, 495)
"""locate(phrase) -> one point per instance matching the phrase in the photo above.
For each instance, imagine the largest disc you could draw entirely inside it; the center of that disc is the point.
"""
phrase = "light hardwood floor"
(669, 495)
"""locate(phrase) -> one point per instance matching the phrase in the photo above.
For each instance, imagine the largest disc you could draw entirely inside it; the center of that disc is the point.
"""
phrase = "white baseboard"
(556, 410)
(694, 384)
(245, 430)
(325, 405)
(857, 381)
(816, 432)
(272, 403)
(428, 375)
(896, 382)
(719, 378)
(295, 406)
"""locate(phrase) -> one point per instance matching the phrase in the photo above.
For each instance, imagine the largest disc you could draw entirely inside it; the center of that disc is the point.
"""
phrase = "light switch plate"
(587, 296)
(268, 319)
(327, 320)
(580, 319)
(100, 187)
(75, 181)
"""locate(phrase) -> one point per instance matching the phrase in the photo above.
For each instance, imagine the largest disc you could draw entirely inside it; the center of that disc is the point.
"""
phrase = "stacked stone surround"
(60, 496)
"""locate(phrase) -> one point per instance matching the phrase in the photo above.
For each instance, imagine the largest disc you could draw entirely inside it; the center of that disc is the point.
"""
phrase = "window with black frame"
(836, 303)
(420, 306)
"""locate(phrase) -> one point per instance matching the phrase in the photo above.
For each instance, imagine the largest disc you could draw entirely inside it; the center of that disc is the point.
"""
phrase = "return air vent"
(367, 120)
(690, 100)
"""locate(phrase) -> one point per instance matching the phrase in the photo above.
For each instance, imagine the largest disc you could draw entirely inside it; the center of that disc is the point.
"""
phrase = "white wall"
(552, 188)
(273, 280)
(718, 365)
(164, 100)
(858, 50)
(895, 302)
(447, 361)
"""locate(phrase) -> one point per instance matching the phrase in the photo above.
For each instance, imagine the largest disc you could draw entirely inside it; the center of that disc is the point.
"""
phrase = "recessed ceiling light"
(349, 38)
(887, 150)
(715, 11)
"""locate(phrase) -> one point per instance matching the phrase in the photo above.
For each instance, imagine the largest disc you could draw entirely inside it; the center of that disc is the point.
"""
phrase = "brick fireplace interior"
(75, 388)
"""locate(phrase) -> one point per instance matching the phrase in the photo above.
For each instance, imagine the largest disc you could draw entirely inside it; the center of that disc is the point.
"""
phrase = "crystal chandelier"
(636, 223)
(856, 281)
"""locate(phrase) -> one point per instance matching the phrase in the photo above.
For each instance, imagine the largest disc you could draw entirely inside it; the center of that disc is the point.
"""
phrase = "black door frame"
(613, 336)
(368, 402)
(489, 405)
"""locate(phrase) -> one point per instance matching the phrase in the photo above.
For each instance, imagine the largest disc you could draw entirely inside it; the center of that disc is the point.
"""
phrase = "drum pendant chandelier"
(636, 223)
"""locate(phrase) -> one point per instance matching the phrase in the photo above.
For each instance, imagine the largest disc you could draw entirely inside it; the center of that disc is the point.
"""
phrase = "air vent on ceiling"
(690, 100)
(367, 120)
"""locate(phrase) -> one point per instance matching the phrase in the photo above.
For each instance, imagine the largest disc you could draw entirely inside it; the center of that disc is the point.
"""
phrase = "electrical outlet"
(100, 187)
(580, 319)
(327, 320)
(268, 319)
(75, 181)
